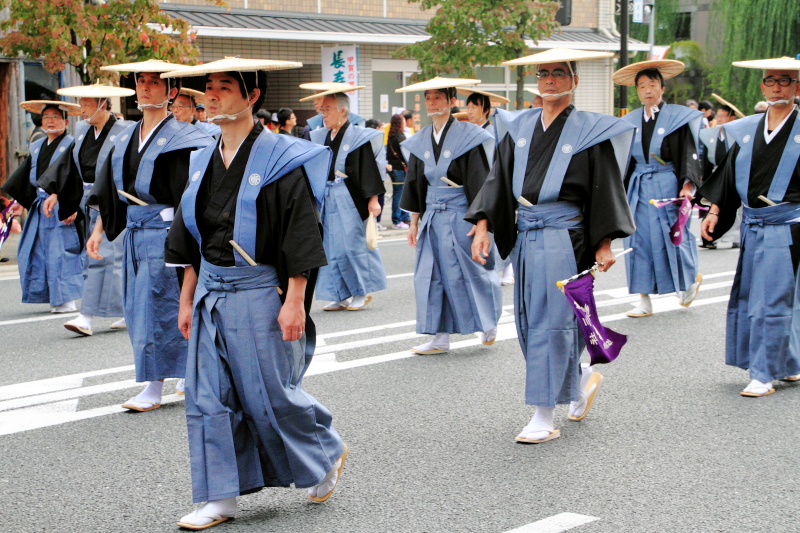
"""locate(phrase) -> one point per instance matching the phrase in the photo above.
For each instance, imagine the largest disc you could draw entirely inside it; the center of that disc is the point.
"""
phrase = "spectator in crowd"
(199, 112)
(691, 104)
(263, 116)
(397, 169)
(408, 129)
(707, 109)
(286, 121)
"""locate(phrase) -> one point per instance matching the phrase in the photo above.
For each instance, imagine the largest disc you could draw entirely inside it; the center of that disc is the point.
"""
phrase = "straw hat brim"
(199, 96)
(722, 101)
(324, 86)
(95, 91)
(461, 115)
(557, 55)
(493, 98)
(778, 63)
(532, 90)
(151, 65)
(437, 83)
(333, 91)
(669, 68)
(232, 64)
(37, 106)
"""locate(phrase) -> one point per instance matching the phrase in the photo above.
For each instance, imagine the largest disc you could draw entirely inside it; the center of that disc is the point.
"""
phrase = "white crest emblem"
(124, 138)
(521, 143)
(567, 148)
(346, 147)
(427, 154)
(61, 149)
(196, 176)
(661, 131)
(254, 179)
(36, 151)
(112, 138)
(446, 153)
(162, 141)
(694, 156)
(746, 139)
(80, 137)
(797, 139)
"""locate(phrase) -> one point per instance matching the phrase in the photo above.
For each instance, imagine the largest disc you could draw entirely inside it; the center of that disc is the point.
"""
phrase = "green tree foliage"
(752, 30)
(469, 33)
(92, 33)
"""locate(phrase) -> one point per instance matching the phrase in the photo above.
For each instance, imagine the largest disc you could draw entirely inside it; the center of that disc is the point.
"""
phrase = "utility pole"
(623, 53)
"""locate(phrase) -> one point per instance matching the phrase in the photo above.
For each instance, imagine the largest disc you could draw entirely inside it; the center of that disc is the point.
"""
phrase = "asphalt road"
(669, 445)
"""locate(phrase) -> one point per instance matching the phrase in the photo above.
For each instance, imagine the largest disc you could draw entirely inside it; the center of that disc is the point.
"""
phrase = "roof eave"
(290, 35)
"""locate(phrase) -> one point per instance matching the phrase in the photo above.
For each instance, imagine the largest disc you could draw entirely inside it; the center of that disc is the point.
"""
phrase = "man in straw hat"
(665, 163)
(447, 165)
(138, 187)
(49, 256)
(74, 176)
(351, 196)
(248, 225)
(561, 169)
(316, 122)
(184, 105)
(762, 172)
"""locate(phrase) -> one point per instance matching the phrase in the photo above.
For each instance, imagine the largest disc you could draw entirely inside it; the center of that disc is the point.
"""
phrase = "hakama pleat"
(151, 297)
(250, 423)
(102, 285)
(656, 266)
(763, 310)
(551, 342)
(352, 269)
(49, 258)
(454, 293)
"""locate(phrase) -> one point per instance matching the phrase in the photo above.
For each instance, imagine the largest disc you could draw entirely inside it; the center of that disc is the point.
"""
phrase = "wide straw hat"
(232, 64)
(96, 90)
(333, 88)
(778, 63)
(151, 65)
(324, 85)
(493, 98)
(669, 68)
(533, 90)
(199, 96)
(436, 84)
(557, 55)
(37, 106)
(722, 101)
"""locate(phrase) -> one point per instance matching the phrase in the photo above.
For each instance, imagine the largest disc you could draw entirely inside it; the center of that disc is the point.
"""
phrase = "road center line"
(556, 524)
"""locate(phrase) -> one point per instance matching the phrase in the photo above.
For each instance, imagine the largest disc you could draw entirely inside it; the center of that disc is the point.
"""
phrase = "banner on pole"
(340, 65)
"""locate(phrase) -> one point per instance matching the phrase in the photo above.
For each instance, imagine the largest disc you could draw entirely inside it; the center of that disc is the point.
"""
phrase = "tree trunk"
(520, 86)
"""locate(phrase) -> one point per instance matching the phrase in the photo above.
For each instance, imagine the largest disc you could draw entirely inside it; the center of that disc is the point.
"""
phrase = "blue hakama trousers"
(656, 266)
(548, 331)
(352, 269)
(151, 297)
(49, 258)
(250, 423)
(763, 327)
(102, 278)
(454, 293)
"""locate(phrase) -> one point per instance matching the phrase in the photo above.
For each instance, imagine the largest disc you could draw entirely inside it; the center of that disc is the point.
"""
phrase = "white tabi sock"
(210, 510)
(358, 301)
(80, 324)
(541, 425)
(151, 395)
(440, 341)
(508, 275)
(338, 305)
(586, 373)
(645, 303)
(328, 482)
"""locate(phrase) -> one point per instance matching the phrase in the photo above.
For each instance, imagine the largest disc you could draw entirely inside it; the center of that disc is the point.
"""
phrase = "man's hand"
(16, 210)
(187, 301)
(480, 241)
(604, 256)
(374, 207)
(413, 230)
(49, 204)
(70, 219)
(292, 317)
(709, 222)
(687, 191)
(93, 242)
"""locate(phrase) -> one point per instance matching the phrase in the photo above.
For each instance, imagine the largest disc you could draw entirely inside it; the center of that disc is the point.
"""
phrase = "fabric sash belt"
(555, 215)
(446, 199)
(147, 217)
(232, 279)
(755, 219)
(654, 168)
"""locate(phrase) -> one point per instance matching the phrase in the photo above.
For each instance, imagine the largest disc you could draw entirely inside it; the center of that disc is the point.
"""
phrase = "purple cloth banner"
(676, 231)
(602, 343)
(6, 221)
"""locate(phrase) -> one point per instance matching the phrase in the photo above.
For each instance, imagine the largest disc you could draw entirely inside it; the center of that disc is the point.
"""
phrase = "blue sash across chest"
(36, 146)
(83, 129)
(668, 120)
(353, 138)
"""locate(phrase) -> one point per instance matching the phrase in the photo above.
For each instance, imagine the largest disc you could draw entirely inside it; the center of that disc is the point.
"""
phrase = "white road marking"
(406, 275)
(555, 524)
(51, 316)
(47, 402)
(9, 277)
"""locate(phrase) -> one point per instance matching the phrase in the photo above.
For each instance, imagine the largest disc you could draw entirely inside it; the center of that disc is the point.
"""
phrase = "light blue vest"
(36, 146)
(83, 129)
(668, 120)
(354, 137)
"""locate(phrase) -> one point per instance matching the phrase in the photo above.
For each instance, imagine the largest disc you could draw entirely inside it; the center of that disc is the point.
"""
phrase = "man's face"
(200, 114)
(291, 123)
(224, 97)
(151, 89)
(318, 104)
(538, 101)
(182, 108)
(89, 109)
(475, 114)
(554, 78)
(777, 92)
(722, 116)
(332, 116)
(649, 90)
(437, 101)
(53, 122)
